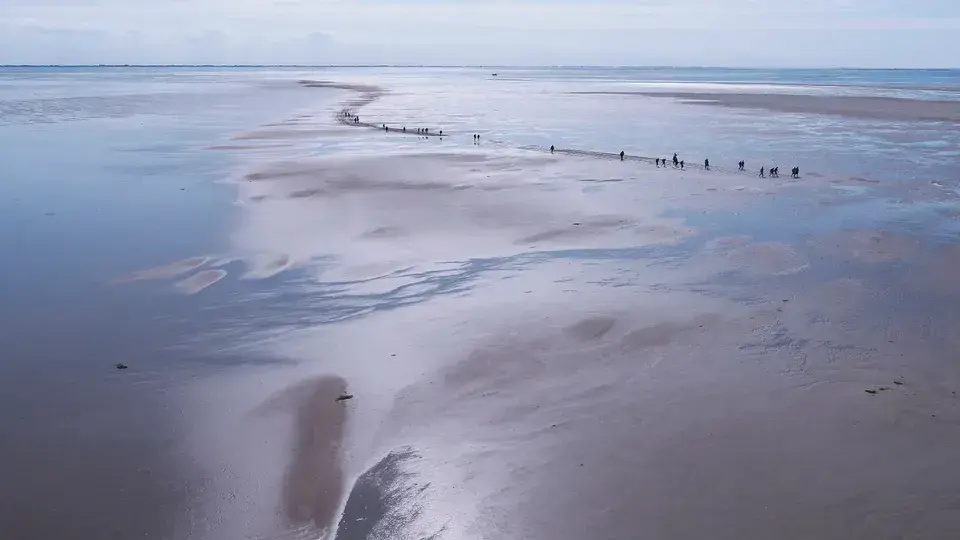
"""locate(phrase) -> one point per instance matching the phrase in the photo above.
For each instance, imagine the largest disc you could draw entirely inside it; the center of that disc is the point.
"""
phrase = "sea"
(261, 303)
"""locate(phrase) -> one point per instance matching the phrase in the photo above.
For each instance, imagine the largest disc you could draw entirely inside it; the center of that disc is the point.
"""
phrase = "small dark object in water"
(122, 366)
(344, 397)
(870, 391)
(577, 223)
(898, 383)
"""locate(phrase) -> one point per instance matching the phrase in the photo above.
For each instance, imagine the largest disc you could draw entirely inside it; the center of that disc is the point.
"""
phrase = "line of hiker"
(773, 172)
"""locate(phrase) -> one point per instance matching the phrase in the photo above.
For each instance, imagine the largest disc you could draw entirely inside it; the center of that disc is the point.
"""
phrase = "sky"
(734, 33)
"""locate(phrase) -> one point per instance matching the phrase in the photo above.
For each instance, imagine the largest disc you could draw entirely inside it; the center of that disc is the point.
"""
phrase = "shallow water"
(535, 345)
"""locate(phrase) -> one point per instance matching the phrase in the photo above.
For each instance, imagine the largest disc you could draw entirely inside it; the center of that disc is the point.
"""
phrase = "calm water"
(109, 171)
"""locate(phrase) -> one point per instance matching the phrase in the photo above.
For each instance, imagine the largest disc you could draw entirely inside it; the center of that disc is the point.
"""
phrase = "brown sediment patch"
(766, 258)
(935, 271)
(949, 213)
(664, 333)
(657, 233)
(304, 193)
(244, 146)
(314, 482)
(876, 107)
(168, 271)
(273, 134)
(726, 243)
(383, 233)
(590, 329)
(200, 281)
(263, 269)
(869, 246)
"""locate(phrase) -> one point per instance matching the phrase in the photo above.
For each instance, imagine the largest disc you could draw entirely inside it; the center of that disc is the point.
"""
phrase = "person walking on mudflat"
(675, 160)
(621, 155)
(761, 173)
(706, 164)
(552, 148)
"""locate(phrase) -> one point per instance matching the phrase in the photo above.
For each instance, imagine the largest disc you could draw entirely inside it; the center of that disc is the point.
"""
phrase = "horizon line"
(475, 66)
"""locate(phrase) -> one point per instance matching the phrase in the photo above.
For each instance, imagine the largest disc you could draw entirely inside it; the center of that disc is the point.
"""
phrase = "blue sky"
(790, 33)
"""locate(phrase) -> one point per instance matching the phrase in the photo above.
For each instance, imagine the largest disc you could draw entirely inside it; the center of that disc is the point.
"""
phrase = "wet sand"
(690, 386)
(556, 346)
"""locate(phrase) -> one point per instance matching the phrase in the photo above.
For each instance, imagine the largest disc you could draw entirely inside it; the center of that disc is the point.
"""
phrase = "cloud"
(676, 32)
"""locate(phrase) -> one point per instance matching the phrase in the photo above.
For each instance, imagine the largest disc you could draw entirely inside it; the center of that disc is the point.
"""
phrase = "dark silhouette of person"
(740, 165)
(552, 149)
(404, 129)
(675, 160)
(796, 172)
(658, 162)
(681, 165)
(761, 173)
(706, 164)
(441, 133)
(621, 155)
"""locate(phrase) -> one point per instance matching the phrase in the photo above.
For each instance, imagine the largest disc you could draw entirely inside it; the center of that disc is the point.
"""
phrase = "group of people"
(476, 139)
(775, 172)
(677, 162)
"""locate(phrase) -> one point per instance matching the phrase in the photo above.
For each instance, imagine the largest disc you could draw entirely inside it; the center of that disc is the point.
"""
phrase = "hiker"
(675, 160)
(621, 155)
(404, 129)
(761, 173)
(741, 164)
(441, 133)
(681, 165)
(706, 164)
(658, 162)
(551, 148)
